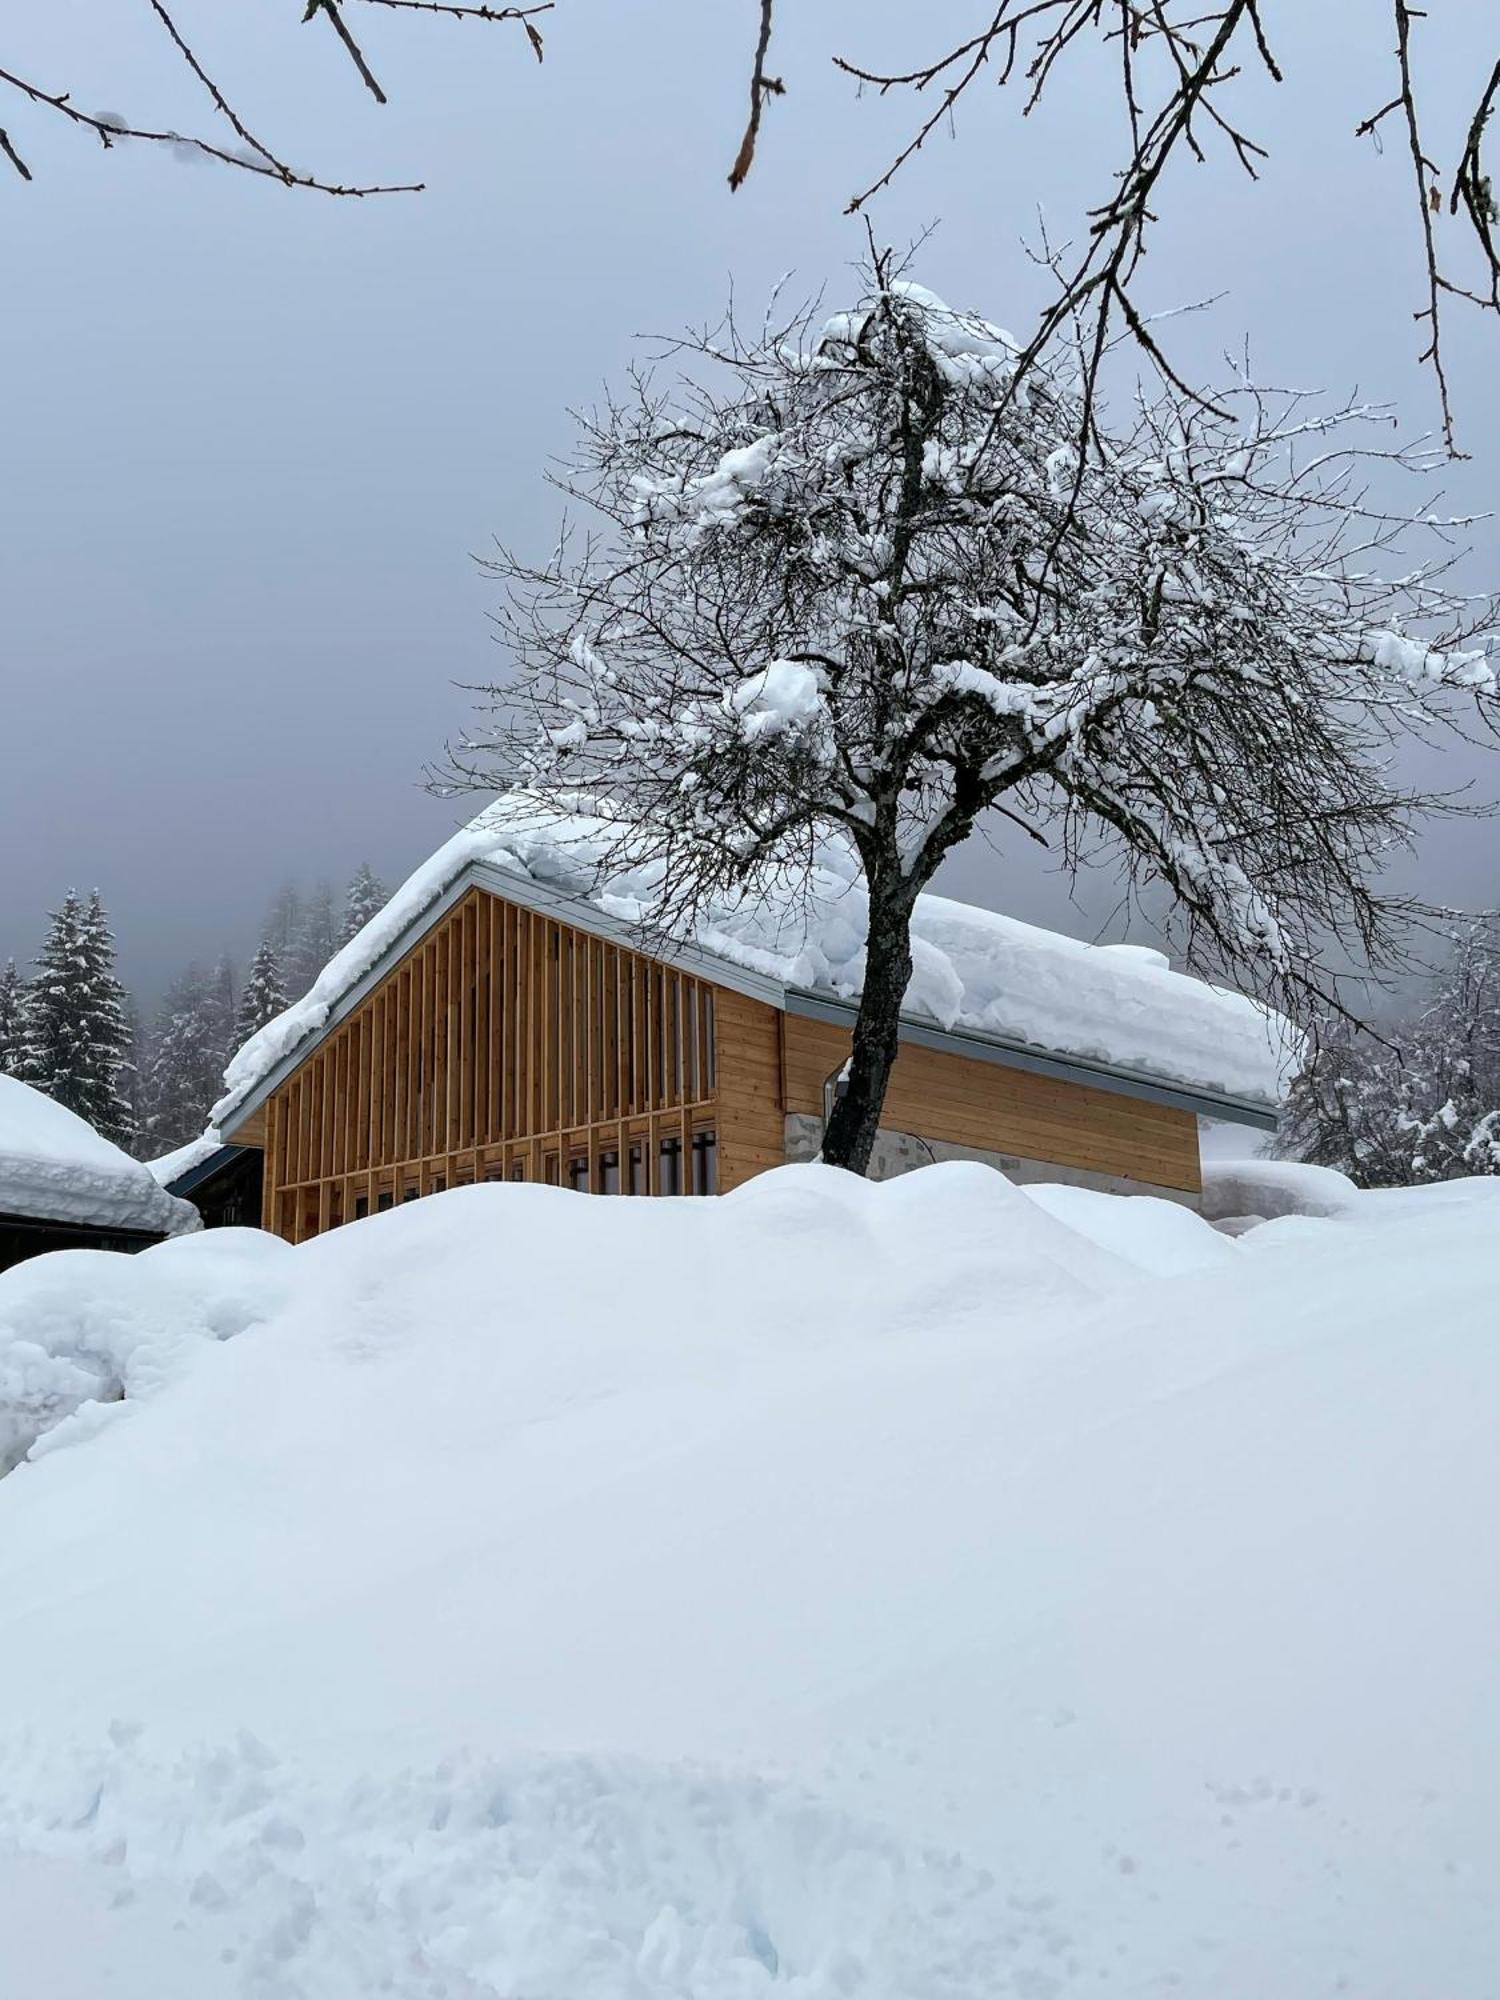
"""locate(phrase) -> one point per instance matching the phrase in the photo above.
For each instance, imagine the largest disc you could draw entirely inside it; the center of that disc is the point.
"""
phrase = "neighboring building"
(224, 1183)
(499, 1020)
(63, 1187)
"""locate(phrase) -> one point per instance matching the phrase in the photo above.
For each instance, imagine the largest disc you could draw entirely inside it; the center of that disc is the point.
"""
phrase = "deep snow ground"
(919, 1591)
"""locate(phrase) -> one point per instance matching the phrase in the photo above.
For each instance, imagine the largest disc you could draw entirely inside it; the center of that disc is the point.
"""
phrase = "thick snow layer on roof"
(974, 971)
(989, 1596)
(54, 1167)
(171, 1165)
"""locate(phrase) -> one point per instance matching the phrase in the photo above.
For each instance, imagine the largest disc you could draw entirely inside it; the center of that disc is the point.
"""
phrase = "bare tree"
(1180, 66)
(860, 587)
(235, 144)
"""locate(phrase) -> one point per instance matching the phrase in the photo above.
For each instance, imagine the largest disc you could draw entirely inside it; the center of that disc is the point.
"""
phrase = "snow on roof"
(172, 1166)
(54, 1167)
(975, 971)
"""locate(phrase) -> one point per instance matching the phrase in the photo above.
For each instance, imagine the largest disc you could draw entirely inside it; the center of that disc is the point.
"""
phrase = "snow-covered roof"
(1120, 1009)
(172, 1166)
(54, 1167)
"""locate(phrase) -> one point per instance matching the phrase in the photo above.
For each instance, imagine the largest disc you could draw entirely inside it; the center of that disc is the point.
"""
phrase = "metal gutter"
(214, 1163)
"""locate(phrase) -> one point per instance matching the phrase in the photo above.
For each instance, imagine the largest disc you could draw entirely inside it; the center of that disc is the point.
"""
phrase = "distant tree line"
(1421, 1101)
(70, 1028)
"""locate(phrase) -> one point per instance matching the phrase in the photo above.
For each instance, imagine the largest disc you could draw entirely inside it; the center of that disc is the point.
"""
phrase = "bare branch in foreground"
(762, 86)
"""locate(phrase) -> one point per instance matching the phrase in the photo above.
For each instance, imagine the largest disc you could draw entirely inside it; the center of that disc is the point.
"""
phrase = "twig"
(356, 53)
(13, 156)
(1421, 168)
(220, 101)
(108, 130)
(761, 87)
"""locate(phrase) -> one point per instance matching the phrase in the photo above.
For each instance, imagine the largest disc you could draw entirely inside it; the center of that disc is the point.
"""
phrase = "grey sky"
(251, 436)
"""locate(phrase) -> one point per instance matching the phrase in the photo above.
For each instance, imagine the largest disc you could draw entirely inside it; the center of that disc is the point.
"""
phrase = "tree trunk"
(850, 1137)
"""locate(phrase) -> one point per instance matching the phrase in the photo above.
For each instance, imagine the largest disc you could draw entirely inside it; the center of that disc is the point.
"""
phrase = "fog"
(253, 436)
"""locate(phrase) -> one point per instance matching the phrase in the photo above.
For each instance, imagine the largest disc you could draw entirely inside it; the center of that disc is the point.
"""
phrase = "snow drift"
(928, 1591)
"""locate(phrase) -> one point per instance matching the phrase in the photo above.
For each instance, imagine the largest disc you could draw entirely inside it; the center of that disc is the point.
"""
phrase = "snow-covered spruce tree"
(366, 898)
(840, 580)
(283, 922)
(190, 1044)
(315, 941)
(12, 1018)
(263, 995)
(1422, 1101)
(77, 1042)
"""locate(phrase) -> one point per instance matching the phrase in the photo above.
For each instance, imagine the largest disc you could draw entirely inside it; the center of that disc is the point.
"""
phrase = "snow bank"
(85, 1335)
(929, 1591)
(974, 969)
(56, 1168)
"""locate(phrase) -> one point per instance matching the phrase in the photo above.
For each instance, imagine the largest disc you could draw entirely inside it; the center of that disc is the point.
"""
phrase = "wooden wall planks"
(994, 1108)
(504, 1045)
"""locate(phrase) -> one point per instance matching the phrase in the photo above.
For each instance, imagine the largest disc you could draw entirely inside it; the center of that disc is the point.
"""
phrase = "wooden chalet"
(495, 1027)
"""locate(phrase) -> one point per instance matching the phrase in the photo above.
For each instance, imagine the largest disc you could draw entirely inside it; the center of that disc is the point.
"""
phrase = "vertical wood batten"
(502, 1037)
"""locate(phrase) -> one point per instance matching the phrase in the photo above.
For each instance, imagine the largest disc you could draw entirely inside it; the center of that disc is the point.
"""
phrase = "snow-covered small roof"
(54, 1167)
(172, 1166)
(1120, 1009)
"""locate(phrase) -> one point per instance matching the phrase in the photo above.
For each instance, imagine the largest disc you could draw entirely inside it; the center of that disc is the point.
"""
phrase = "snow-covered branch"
(862, 583)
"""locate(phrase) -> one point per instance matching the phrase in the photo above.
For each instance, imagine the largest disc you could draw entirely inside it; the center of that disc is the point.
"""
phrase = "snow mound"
(55, 1167)
(975, 970)
(928, 1591)
(85, 1335)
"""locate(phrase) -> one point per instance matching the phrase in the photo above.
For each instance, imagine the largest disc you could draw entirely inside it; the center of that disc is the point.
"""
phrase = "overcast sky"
(251, 436)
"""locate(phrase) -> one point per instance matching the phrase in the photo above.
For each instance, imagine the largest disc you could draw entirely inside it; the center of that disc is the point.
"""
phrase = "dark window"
(550, 1172)
(518, 1171)
(438, 1184)
(669, 1167)
(637, 1170)
(384, 1200)
(410, 1192)
(705, 1163)
(361, 1207)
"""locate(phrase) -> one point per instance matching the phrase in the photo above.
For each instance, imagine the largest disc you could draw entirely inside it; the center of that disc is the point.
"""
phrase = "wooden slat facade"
(509, 1045)
(997, 1109)
(504, 1046)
